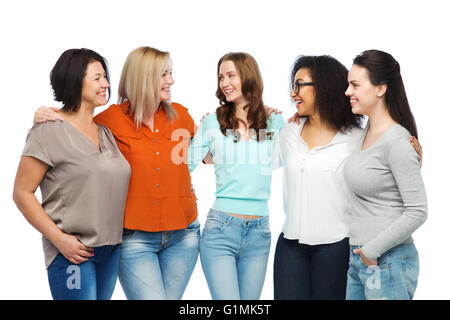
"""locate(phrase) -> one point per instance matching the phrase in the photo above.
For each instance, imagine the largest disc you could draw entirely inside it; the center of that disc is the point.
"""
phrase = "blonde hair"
(140, 83)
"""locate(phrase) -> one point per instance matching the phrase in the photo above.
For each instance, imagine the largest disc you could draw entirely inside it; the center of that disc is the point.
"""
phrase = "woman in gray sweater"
(387, 192)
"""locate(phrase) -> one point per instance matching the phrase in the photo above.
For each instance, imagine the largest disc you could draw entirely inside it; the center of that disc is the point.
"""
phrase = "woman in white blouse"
(312, 253)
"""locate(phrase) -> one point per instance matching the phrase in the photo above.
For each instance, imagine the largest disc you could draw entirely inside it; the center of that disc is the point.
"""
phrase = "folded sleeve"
(35, 147)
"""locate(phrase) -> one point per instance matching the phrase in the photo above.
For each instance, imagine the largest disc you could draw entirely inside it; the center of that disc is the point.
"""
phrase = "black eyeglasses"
(297, 85)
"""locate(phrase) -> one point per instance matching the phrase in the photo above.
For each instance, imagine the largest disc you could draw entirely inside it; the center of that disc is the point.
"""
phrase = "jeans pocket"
(127, 233)
(194, 225)
(379, 283)
(264, 229)
(410, 269)
(213, 226)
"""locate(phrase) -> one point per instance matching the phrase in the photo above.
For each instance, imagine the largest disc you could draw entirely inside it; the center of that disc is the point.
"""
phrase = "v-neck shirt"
(387, 192)
(315, 197)
(84, 189)
(83, 136)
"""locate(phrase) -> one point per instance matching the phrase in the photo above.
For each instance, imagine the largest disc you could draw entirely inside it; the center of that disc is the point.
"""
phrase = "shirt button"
(157, 185)
(157, 153)
(156, 130)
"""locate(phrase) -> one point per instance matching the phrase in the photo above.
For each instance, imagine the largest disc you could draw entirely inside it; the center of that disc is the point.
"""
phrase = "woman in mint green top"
(235, 243)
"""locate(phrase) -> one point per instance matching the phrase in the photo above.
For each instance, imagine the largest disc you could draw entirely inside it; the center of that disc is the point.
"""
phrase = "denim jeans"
(234, 254)
(310, 272)
(158, 265)
(94, 279)
(395, 277)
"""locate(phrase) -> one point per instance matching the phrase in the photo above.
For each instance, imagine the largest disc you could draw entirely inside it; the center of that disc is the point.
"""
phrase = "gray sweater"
(387, 192)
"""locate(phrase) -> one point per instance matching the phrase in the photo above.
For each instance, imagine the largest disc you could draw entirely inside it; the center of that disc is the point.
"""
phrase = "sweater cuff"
(370, 253)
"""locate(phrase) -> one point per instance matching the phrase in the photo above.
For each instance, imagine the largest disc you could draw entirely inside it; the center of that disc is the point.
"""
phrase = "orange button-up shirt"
(159, 194)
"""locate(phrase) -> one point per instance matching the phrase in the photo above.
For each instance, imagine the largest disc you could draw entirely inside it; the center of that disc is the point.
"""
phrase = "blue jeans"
(234, 254)
(158, 265)
(310, 272)
(94, 279)
(395, 277)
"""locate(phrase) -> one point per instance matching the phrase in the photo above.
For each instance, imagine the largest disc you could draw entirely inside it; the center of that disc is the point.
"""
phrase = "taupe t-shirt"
(85, 188)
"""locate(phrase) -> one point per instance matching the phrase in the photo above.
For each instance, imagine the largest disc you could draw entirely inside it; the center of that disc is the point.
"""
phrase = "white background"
(197, 34)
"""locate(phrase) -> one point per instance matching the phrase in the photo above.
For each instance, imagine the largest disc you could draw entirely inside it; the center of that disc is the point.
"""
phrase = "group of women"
(117, 199)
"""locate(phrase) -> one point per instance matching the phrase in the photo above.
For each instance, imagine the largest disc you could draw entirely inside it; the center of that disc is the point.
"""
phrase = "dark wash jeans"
(94, 279)
(310, 272)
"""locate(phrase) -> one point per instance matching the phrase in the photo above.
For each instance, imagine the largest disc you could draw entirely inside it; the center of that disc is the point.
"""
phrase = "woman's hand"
(270, 110)
(193, 192)
(44, 114)
(30, 173)
(295, 118)
(416, 145)
(364, 259)
(208, 158)
(72, 249)
(204, 117)
(195, 126)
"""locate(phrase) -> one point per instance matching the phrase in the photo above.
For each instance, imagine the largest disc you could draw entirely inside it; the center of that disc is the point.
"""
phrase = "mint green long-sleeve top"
(243, 169)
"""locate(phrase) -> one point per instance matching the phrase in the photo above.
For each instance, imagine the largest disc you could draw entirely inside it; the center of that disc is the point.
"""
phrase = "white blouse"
(315, 195)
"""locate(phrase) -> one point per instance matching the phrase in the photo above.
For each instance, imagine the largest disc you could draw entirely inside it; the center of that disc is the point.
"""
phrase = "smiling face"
(364, 96)
(304, 100)
(230, 83)
(95, 85)
(165, 83)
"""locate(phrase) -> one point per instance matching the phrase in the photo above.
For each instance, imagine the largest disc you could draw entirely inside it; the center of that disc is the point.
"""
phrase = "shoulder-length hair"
(252, 90)
(384, 69)
(66, 77)
(140, 83)
(330, 82)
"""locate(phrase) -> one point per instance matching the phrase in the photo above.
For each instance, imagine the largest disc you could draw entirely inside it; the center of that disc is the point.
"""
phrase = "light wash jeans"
(395, 277)
(158, 265)
(94, 279)
(234, 254)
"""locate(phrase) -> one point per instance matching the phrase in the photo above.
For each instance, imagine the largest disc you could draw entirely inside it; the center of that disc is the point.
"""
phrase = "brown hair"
(252, 89)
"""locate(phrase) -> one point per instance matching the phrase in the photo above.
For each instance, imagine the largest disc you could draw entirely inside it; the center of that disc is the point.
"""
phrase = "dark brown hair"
(252, 90)
(66, 77)
(384, 69)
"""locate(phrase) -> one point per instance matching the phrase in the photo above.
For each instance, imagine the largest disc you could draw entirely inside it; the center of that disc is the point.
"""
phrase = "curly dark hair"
(330, 82)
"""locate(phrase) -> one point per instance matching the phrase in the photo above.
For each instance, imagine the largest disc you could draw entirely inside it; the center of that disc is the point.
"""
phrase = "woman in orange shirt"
(161, 230)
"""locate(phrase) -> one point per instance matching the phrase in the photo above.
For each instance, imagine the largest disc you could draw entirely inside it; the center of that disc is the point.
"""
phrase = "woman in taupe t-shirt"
(83, 179)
